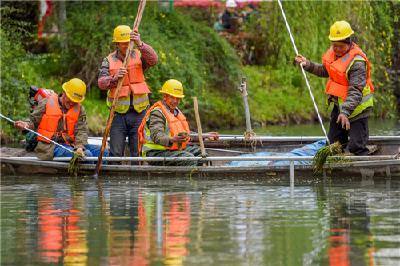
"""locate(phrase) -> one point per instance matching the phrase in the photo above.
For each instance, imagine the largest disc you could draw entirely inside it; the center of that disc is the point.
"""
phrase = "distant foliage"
(372, 21)
(12, 102)
(188, 51)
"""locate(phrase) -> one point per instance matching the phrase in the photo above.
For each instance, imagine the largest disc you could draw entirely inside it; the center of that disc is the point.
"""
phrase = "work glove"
(135, 37)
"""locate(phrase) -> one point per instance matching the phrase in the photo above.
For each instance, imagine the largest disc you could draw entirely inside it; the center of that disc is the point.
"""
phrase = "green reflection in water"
(200, 222)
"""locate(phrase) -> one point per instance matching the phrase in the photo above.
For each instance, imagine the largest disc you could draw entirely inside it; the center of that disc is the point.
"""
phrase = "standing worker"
(164, 131)
(133, 97)
(62, 119)
(349, 87)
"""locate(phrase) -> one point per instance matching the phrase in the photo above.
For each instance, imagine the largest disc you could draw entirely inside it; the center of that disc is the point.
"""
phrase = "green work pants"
(189, 151)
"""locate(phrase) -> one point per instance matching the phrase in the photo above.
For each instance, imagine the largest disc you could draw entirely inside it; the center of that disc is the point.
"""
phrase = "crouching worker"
(164, 131)
(62, 119)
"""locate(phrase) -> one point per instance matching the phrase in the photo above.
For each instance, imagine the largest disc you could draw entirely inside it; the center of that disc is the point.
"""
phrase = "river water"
(376, 127)
(125, 221)
(121, 221)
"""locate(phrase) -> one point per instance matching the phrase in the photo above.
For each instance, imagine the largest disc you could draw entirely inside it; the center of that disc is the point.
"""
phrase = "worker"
(133, 98)
(349, 87)
(164, 131)
(231, 19)
(62, 118)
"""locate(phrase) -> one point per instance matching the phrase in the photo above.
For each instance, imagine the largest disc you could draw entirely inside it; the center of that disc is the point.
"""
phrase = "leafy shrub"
(188, 51)
(277, 96)
(373, 23)
(12, 83)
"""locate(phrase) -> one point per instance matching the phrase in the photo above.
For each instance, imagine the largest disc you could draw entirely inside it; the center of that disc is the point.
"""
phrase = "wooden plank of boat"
(387, 144)
(237, 143)
(380, 165)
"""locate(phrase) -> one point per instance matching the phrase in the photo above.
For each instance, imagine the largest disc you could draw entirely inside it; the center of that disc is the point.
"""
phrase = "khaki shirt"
(157, 123)
(45, 151)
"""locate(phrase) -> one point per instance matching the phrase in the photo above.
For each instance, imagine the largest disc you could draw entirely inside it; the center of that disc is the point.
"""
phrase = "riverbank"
(191, 51)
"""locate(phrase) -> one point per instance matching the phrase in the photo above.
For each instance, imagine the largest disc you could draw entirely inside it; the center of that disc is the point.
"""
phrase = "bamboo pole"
(199, 130)
(136, 24)
(243, 90)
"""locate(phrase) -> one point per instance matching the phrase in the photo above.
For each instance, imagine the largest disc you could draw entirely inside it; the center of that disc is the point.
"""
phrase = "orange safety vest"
(48, 126)
(134, 81)
(338, 84)
(174, 125)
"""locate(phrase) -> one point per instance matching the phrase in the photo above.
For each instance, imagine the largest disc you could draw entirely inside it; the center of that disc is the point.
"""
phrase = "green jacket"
(157, 123)
(45, 151)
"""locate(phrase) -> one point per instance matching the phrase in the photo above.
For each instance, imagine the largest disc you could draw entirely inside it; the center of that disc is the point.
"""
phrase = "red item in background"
(214, 3)
(45, 8)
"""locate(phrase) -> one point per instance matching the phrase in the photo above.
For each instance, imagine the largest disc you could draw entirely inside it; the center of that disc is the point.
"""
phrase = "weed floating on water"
(322, 155)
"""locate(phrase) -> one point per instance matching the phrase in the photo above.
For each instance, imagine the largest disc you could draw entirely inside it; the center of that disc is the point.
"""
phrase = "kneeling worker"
(164, 131)
(62, 119)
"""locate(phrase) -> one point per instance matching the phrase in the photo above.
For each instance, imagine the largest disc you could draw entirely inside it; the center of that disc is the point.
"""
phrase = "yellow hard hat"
(122, 33)
(173, 87)
(340, 30)
(75, 90)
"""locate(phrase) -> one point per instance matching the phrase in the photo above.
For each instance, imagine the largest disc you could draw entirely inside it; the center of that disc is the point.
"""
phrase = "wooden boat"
(383, 163)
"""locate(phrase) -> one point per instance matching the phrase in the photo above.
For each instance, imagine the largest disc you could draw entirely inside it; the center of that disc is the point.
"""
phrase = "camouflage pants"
(189, 151)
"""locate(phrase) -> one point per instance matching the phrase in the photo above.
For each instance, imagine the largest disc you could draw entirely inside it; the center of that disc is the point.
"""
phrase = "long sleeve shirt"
(45, 151)
(157, 126)
(106, 81)
(357, 77)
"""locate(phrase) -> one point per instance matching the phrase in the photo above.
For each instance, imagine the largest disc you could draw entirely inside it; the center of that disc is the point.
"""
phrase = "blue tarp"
(307, 150)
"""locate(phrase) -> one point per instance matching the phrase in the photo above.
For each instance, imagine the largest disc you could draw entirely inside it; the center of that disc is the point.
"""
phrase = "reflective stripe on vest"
(337, 68)
(174, 125)
(367, 101)
(134, 83)
(48, 125)
(140, 103)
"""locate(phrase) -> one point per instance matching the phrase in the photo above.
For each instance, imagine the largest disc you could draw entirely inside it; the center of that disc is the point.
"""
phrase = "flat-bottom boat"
(383, 163)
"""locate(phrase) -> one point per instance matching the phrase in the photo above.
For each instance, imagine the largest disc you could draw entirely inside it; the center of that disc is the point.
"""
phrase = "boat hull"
(379, 168)
(228, 145)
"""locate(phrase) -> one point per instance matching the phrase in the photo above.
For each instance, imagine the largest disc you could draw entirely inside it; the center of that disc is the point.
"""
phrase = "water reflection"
(181, 222)
(61, 238)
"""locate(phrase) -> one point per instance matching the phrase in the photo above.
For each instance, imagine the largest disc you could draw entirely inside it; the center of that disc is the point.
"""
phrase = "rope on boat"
(304, 73)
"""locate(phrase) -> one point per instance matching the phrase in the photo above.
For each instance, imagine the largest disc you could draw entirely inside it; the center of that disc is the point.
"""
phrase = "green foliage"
(373, 23)
(190, 51)
(12, 83)
(96, 114)
(19, 18)
(281, 96)
(183, 46)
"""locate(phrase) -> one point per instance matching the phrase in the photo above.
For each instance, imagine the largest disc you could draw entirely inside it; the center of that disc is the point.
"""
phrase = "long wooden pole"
(243, 90)
(136, 24)
(200, 131)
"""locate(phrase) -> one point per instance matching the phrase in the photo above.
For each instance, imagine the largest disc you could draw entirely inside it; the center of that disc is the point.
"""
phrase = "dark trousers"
(125, 125)
(189, 151)
(356, 138)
